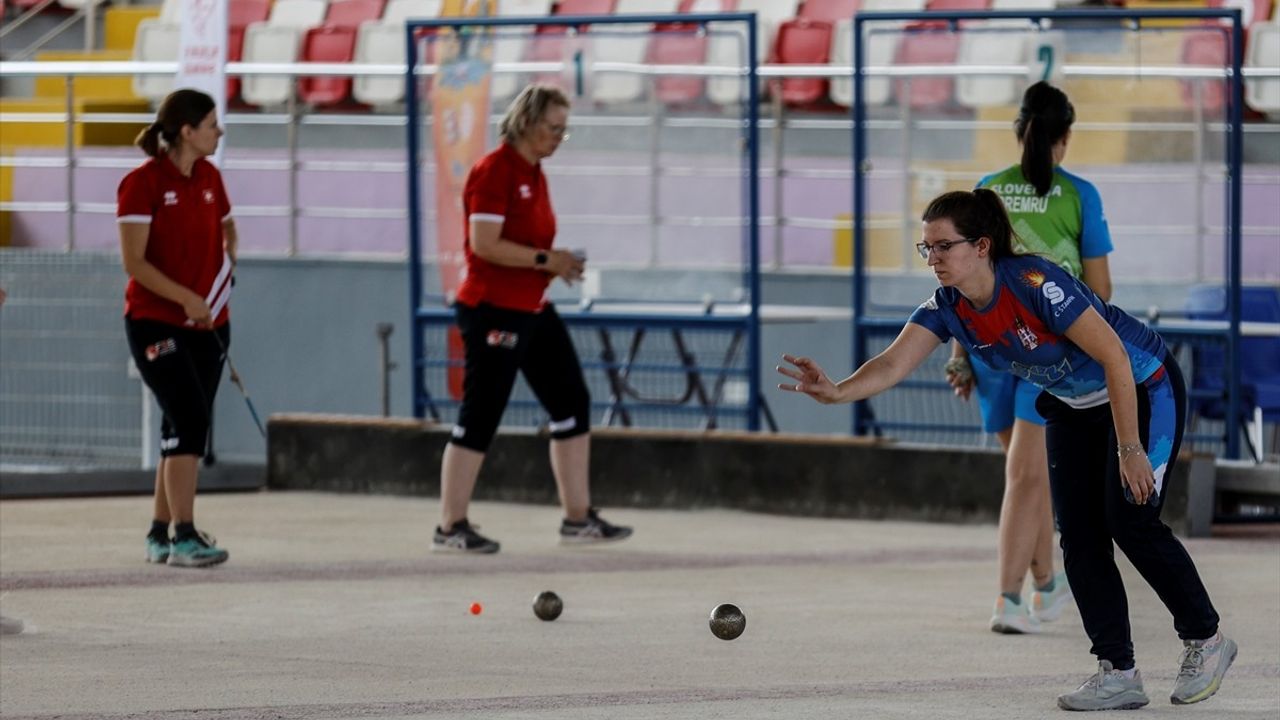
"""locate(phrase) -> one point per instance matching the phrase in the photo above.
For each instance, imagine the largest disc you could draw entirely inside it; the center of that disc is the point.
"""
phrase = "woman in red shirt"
(508, 326)
(178, 243)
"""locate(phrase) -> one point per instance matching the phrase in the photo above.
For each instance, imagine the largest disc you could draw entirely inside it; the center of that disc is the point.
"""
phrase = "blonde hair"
(528, 108)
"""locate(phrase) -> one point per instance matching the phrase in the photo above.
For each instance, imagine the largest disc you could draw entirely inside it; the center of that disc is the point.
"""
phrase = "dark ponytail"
(1045, 118)
(975, 214)
(179, 108)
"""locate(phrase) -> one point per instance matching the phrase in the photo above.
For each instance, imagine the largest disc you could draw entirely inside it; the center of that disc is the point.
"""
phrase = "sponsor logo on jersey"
(1052, 292)
(170, 197)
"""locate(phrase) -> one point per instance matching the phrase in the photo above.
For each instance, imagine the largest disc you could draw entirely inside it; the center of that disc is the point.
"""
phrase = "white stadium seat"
(278, 40)
(610, 43)
(155, 41)
(381, 42)
(727, 47)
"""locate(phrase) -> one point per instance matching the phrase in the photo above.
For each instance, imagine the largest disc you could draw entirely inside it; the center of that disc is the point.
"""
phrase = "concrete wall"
(789, 474)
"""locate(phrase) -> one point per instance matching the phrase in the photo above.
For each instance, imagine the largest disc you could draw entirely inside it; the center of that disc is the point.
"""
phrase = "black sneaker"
(462, 539)
(592, 530)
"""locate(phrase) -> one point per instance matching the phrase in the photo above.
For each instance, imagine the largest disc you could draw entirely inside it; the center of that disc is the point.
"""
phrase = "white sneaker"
(1048, 606)
(1012, 618)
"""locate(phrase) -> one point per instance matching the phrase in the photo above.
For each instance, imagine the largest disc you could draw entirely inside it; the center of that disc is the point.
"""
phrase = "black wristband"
(540, 259)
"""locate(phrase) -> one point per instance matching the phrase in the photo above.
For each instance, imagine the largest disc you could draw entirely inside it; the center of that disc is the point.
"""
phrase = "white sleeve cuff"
(487, 217)
(134, 219)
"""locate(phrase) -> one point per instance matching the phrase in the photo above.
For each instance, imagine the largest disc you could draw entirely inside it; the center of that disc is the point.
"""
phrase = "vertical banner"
(460, 119)
(202, 54)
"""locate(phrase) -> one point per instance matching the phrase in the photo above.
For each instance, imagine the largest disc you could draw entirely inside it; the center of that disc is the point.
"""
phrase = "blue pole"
(753, 228)
(1235, 154)
(859, 210)
(416, 330)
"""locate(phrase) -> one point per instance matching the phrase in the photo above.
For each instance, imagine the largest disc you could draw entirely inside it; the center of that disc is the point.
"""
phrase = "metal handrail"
(22, 19)
(316, 69)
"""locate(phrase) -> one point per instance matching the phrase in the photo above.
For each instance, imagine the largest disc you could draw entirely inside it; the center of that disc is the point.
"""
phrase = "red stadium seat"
(335, 42)
(327, 44)
(240, 13)
(833, 11)
(1205, 48)
(927, 44)
(804, 42)
(957, 5)
(350, 13)
(678, 44)
(547, 45)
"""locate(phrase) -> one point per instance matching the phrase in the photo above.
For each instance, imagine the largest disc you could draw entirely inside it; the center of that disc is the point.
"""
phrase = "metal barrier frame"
(749, 325)
(863, 326)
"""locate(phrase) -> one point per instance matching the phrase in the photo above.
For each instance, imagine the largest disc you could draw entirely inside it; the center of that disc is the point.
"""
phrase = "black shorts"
(499, 343)
(183, 367)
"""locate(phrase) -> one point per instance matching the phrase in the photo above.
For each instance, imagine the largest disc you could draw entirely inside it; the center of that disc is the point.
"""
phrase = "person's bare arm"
(487, 243)
(876, 375)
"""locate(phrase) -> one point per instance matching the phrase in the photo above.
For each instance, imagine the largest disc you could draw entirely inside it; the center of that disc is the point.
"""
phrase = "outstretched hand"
(810, 380)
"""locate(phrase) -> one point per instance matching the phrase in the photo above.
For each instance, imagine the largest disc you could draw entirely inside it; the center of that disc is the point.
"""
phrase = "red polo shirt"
(185, 216)
(505, 188)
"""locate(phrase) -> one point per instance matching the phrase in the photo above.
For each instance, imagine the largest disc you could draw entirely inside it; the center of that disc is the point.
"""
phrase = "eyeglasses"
(559, 131)
(941, 248)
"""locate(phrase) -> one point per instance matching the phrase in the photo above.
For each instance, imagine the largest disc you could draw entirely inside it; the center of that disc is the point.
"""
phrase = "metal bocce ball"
(547, 606)
(727, 622)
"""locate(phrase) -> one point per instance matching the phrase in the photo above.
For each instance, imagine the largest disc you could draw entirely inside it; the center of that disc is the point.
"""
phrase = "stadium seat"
(727, 47)
(624, 44)
(1251, 11)
(957, 5)
(278, 40)
(682, 44)
(382, 43)
(549, 43)
(1259, 361)
(240, 15)
(171, 11)
(510, 44)
(155, 41)
(833, 11)
(1006, 42)
(926, 44)
(1206, 48)
(1263, 94)
(803, 42)
(881, 45)
(334, 42)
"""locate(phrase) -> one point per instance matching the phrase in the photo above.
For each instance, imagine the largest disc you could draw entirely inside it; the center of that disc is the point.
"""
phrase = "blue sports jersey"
(1022, 330)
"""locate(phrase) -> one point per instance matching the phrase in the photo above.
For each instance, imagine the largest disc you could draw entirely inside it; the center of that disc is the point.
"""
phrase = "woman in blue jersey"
(1114, 404)
(1058, 216)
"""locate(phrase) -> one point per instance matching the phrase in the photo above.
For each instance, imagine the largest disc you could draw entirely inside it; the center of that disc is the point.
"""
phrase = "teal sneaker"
(157, 551)
(200, 550)
(1203, 663)
(1108, 689)
(1010, 618)
(1048, 606)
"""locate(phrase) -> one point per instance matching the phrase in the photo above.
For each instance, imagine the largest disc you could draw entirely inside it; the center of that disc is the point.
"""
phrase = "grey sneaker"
(1202, 669)
(1108, 689)
(462, 538)
(593, 529)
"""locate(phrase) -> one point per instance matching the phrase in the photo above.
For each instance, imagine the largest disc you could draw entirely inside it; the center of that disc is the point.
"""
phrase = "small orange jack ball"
(476, 608)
